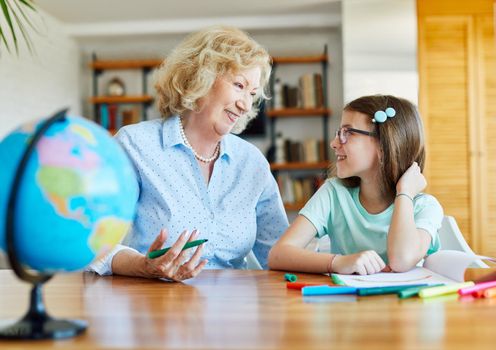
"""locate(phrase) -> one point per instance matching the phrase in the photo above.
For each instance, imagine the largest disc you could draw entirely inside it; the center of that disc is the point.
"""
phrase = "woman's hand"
(412, 181)
(364, 263)
(173, 265)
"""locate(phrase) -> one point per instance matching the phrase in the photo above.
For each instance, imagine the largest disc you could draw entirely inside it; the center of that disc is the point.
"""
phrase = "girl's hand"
(172, 265)
(364, 263)
(412, 181)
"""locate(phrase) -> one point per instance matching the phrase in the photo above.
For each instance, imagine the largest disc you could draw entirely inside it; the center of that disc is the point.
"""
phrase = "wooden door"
(457, 70)
(486, 100)
(444, 69)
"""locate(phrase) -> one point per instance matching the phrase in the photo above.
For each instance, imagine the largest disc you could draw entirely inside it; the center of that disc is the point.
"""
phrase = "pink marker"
(478, 287)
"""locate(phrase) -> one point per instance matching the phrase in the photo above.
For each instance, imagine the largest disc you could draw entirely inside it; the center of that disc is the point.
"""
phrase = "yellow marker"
(435, 291)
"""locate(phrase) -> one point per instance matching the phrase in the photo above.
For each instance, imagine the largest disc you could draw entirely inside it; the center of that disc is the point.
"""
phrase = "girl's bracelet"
(329, 266)
(404, 194)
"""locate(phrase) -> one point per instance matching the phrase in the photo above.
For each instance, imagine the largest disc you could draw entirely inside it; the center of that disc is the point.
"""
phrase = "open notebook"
(442, 267)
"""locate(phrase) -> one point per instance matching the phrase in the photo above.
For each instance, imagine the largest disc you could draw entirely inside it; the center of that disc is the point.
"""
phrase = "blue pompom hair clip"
(381, 116)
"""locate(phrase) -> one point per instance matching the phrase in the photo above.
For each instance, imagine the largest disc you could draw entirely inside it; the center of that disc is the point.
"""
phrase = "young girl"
(372, 208)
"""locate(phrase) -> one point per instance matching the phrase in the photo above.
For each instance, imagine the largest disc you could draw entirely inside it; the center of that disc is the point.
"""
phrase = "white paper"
(418, 275)
(450, 263)
(444, 266)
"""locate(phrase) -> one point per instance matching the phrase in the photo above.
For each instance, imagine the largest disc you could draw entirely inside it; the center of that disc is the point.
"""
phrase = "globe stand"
(36, 324)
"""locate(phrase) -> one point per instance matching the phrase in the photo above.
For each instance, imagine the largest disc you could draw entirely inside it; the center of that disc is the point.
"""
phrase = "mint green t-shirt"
(335, 210)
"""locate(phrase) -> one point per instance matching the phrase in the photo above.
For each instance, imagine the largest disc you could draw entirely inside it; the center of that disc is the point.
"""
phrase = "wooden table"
(236, 309)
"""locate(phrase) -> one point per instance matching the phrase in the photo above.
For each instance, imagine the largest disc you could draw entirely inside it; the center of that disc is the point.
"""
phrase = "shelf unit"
(279, 114)
(99, 66)
(299, 166)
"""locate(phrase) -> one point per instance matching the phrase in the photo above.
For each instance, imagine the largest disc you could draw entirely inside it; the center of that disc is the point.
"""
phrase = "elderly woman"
(191, 172)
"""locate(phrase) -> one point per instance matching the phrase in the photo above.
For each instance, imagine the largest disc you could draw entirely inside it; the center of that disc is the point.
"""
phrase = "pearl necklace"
(197, 156)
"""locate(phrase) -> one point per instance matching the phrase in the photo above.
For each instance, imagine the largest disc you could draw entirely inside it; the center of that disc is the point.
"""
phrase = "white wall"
(32, 86)
(379, 48)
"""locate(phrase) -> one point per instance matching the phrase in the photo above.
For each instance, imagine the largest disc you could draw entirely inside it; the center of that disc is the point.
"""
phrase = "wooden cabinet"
(457, 69)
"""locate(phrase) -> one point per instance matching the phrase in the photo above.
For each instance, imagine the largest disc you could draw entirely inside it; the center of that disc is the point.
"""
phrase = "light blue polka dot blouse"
(240, 209)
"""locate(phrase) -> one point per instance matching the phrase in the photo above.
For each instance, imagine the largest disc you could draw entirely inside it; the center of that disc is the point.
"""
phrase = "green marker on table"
(290, 277)
(387, 289)
(413, 291)
(156, 253)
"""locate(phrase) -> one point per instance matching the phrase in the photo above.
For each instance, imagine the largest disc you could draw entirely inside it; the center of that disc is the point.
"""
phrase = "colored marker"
(478, 287)
(490, 293)
(327, 290)
(435, 291)
(290, 277)
(386, 290)
(299, 285)
(156, 253)
(413, 291)
(477, 294)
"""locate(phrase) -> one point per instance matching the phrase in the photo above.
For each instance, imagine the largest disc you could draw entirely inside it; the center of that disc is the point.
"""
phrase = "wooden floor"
(236, 309)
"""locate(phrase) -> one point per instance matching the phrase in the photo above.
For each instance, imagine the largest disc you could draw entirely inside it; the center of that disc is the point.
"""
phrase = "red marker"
(299, 285)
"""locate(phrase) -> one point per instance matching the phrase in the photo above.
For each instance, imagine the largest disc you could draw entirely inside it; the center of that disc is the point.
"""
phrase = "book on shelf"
(308, 94)
(309, 150)
(113, 109)
(130, 115)
(104, 116)
(290, 96)
(114, 116)
(319, 90)
(297, 189)
(307, 91)
(442, 267)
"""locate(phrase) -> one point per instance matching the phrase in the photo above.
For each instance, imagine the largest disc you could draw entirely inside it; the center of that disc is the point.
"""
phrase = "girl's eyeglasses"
(343, 132)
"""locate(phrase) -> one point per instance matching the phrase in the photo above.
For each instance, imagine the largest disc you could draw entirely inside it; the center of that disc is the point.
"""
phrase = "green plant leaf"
(16, 18)
(6, 14)
(27, 20)
(23, 31)
(28, 3)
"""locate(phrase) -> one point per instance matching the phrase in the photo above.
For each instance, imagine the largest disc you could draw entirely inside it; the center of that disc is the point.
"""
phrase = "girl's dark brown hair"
(401, 139)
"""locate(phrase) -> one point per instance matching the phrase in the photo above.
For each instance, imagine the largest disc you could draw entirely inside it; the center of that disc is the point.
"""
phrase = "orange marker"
(490, 293)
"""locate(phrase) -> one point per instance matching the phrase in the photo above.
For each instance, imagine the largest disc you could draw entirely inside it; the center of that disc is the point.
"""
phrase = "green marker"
(290, 277)
(387, 289)
(413, 291)
(160, 252)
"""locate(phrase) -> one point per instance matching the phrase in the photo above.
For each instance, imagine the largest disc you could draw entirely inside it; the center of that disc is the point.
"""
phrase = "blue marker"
(327, 290)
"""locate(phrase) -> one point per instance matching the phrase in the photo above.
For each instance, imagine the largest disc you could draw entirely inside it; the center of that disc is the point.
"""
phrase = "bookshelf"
(316, 168)
(100, 99)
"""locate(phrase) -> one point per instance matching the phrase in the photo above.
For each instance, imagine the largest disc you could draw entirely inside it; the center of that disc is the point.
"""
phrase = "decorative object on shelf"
(278, 96)
(280, 156)
(116, 87)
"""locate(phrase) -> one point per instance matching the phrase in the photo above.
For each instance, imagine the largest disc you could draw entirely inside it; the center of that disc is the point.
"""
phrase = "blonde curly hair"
(190, 71)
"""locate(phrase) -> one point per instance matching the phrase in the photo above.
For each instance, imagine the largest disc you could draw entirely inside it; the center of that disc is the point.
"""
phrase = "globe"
(73, 200)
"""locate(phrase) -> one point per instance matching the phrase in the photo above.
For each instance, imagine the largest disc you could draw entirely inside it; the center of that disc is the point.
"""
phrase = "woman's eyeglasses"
(343, 132)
